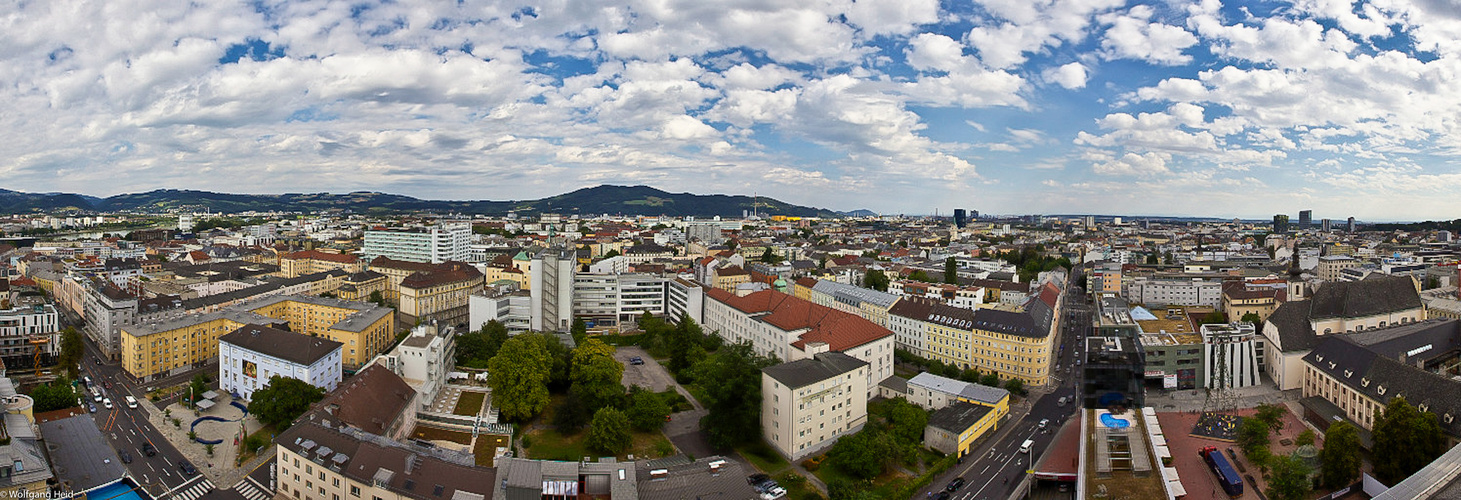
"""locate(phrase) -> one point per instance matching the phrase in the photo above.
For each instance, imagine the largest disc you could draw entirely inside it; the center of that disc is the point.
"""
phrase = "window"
(354, 491)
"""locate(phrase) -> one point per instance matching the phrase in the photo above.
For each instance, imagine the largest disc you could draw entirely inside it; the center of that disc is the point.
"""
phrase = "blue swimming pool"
(1113, 422)
(117, 491)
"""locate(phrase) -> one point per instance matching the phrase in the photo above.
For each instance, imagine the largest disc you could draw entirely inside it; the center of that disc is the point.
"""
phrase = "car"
(149, 450)
(86, 380)
(1044, 422)
(91, 407)
(131, 402)
(107, 403)
(126, 457)
(187, 468)
(954, 485)
(757, 478)
(636, 360)
(97, 361)
(943, 495)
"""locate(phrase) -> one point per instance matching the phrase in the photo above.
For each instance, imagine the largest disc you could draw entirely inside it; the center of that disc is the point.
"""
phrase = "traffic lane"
(990, 471)
(127, 432)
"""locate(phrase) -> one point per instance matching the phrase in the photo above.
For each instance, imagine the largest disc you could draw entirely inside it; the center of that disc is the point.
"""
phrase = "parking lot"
(650, 375)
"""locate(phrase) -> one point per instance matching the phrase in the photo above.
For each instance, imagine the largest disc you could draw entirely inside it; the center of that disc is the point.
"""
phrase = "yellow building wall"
(163, 351)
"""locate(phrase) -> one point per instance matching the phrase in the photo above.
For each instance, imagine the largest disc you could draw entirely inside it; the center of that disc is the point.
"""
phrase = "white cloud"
(892, 16)
(1133, 164)
(1070, 76)
(1133, 36)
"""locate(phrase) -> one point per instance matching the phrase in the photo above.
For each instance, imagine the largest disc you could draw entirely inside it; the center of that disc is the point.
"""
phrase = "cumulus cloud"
(1071, 76)
(1134, 164)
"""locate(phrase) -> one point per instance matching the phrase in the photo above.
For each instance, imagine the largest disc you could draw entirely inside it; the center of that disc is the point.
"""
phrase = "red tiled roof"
(446, 272)
(839, 330)
(806, 282)
(372, 401)
(730, 271)
(707, 260)
(197, 255)
(1049, 294)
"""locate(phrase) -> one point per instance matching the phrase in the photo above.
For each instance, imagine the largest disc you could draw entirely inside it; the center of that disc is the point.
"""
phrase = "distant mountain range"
(605, 199)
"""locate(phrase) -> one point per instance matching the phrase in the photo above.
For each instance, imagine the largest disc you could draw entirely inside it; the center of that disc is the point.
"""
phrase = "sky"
(1178, 107)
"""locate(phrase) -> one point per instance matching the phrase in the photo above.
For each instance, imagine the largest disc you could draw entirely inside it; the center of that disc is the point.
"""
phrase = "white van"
(1025, 448)
(131, 402)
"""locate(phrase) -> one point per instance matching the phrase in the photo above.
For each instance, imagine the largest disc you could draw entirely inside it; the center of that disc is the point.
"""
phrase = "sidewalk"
(219, 468)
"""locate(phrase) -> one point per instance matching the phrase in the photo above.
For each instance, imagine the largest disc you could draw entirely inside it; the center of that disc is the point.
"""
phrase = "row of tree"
(971, 375)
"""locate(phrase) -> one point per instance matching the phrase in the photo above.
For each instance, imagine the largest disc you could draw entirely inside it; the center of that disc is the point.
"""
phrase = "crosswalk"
(251, 490)
(198, 489)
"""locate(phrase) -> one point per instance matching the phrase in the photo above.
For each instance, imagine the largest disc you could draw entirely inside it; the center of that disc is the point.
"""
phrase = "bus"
(1227, 476)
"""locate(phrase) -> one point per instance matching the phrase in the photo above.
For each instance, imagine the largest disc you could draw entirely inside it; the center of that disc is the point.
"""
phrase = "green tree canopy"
(1215, 317)
(1288, 478)
(1253, 435)
(1406, 439)
(734, 399)
(951, 271)
(579, 330)
(868, 453)
(647, 410)
(72, 350)
(198, 386)
(59, 394)
(1015, 386)
(876, 280)
(596, 375)
(770, 257)
(474, 349)
(1339, 460)
(990, 379)
(920, 275)
(519, 376)
(1271, 415)
(609, 432)
(906, 421)
(282, 400)
(612, 253)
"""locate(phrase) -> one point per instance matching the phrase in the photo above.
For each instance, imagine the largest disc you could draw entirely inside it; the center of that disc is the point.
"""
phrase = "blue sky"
(1179, 107)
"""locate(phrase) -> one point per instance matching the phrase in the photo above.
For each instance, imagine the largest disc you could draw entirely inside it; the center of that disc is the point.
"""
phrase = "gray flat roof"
(79, 454)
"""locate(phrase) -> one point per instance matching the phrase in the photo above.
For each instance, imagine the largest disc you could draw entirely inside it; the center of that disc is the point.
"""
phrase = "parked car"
(954, 485)
(636, 360)
(187, 468)
(126, 457)
(91, 407)
(149, 450)
(944, 495)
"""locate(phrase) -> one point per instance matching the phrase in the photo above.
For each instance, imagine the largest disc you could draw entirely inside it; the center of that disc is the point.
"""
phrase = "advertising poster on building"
(250, 369)
(1169, 382)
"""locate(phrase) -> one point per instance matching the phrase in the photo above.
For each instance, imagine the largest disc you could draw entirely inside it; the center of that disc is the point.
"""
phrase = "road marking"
(154, 469)
(169, 462)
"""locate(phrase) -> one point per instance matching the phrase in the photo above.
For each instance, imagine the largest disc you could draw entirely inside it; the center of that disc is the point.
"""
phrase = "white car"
(1044, 422)
(131, 402)
(106, 403)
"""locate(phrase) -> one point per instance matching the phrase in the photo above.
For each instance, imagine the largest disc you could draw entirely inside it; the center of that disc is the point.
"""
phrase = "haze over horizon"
(1180, 107)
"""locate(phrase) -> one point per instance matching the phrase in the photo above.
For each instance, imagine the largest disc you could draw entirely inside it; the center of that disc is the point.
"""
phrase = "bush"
(1306, 437)
(811, 465)
(527, 441)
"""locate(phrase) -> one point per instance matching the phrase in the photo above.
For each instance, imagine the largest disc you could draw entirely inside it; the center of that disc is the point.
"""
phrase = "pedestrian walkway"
(252, 490)
(191, 490)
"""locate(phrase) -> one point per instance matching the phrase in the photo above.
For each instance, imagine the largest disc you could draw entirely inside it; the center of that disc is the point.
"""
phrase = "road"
(995, 467)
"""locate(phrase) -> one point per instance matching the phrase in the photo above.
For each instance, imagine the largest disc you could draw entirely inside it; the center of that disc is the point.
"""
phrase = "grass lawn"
(486, 448)
(470, 403)
(433, 434)
(549, 444)
(764, 458)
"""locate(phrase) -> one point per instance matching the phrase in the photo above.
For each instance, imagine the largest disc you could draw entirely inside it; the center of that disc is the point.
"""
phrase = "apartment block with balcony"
(807, 404)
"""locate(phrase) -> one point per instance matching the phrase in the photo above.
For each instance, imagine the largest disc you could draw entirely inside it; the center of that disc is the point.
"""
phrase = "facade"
(871, 304)
(1331, 267)
(617, 300)
(1335, 308)
(954, 429)
(729, 277)
(1240, 299)
(440, 294)
(250, 355)
(933, 392)
(1105, 279)
(1182, 292)
(513, 309)
(1357, 375)
(362, 285)
(315, 261)
(177, 344)
(27, 331)
(808, 403)
(551, 304)
(1016, 344)
(315, 461)
(106, 308)
(787, 328)
(1112, 373)
(1174, 360)
(1230, 354)
(446, 241)
(684, 298)
(705, 232)
(24, 468)
(907, 321)
(423, 359)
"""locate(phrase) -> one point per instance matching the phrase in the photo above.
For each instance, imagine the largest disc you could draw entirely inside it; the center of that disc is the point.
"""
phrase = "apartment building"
(684, 298)
(968, 297)
(435, 244)
(423, 360)
(314, 261)
(553, 271)
(1335, 308)
(1180, 292)
(1331, 267)
(808, 403)
(906, 319)
(27, 330)
(787, 328)
(1243, 298)
(871, 304)
(440, 293)
(157, 349)
(319, 461)
(362, 285)
(512, 308)
(250, 355)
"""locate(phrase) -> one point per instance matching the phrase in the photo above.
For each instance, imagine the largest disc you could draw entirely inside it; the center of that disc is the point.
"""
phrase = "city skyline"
(1188, 108)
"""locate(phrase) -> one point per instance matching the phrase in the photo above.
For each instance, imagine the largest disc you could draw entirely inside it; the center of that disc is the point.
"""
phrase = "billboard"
(250, 369)
(1169, 382)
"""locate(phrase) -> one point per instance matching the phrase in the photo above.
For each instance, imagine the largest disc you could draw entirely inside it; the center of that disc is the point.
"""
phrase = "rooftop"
(296, 348)
(819, 367)
(958, 416)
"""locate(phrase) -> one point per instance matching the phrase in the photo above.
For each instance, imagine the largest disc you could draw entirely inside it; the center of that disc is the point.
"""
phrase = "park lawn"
(469, 404)
(549, 444)
(764, 458)
(433, 434)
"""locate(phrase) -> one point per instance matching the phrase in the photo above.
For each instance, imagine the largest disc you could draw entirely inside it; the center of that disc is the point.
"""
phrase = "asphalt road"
(994, 468)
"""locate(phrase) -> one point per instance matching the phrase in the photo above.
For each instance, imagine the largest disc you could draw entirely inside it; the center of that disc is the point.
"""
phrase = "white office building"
(249, 356)
(552, 272)
(1175, 292)
(447, 240)
(684, 298)
(26, 329)
(511, 308)
(1230, 352)
(424, 360)
(612, 299)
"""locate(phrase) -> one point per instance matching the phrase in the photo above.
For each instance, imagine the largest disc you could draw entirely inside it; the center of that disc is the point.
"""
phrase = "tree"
(1015, 386)
(1253, 318)
(1339, 460)
(1253, 435)
(1305, 438)
(377, 298)
(72, 349)
(571, 416)
(875, 280)
(474, 349)
(596, 375)
(519, 375)
(951, 271)
(609, 432)
(1288, 478)
(282, 400)
(731, 244)
(920, 275)
(57, 395)
(905, 420)
(647, 410)
(611, 254)
(1215, 317)
(198, 386)
(579, 330)
(856, 455)
(990, 379)
(769, 256)
(734, 400)
(1151, 259)
(1271, 415)
(1406, 439)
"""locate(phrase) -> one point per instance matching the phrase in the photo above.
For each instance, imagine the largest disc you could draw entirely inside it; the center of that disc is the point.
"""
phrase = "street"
(994, 468)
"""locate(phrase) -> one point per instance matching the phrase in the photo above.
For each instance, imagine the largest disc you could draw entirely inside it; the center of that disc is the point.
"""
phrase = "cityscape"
(730, 250)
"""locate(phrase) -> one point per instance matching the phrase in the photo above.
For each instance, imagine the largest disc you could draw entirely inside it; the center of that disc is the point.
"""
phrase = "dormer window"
(1333, 365)
(1382, 390)
(1423, 407)
(1447, 418)
(1348, 373)
(1319, 358)
(1364, 382)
